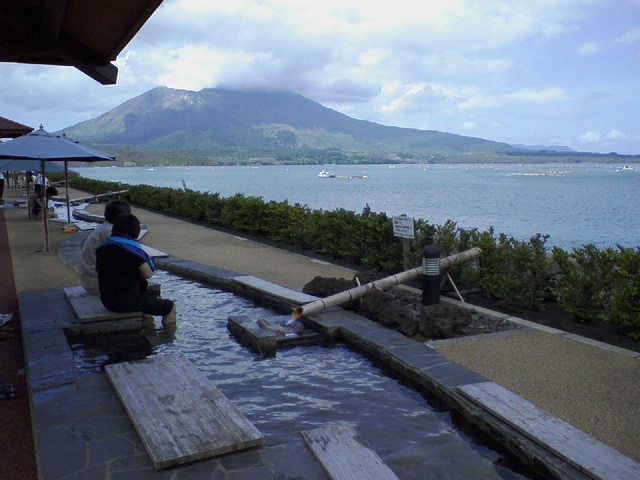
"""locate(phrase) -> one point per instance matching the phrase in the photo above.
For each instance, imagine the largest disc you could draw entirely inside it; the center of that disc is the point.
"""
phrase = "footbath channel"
(304, 387)
(77, 415)
(82, 431)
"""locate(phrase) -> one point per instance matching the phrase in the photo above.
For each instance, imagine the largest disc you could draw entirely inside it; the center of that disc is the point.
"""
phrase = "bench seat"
(584, 452)
(178, 413)
(345, 455)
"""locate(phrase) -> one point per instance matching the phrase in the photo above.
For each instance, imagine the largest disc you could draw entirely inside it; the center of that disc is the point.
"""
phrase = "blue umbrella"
(44, 146)
(47, 147)
(28, 166)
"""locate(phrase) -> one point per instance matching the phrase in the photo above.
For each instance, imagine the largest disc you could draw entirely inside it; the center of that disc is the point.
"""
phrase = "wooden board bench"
(89, 308)
(178, 413)
(585, 453)
(345, 455)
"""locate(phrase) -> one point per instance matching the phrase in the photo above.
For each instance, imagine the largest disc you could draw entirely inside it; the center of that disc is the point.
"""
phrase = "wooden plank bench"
(345, 455)
(89, 308)
(178, 413)
(585, 453)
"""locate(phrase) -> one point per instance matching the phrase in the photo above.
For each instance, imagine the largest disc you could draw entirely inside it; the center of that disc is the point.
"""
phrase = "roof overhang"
(11, 129)
(85, 34)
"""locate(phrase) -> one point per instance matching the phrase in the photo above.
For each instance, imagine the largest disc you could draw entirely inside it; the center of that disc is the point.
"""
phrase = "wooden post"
(406, 248)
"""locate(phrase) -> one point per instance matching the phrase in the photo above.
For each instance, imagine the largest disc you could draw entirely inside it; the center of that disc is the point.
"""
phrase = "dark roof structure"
(85, 34)
(11, 129)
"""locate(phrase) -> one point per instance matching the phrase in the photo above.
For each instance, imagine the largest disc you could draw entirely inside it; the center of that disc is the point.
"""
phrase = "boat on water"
(325, 174)
(628, 168)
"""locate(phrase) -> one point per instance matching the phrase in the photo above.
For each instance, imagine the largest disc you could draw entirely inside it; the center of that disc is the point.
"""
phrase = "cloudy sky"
(543, 72)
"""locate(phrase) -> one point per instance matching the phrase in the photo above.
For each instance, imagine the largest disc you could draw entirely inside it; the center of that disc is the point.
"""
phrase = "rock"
(401, 317)
(443, 320)
(366, 277)
(373, 303)
(398, 309)
(326, 286)
(323, 287)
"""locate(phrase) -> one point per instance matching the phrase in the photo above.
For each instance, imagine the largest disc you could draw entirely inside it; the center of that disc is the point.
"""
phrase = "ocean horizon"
(575, 204)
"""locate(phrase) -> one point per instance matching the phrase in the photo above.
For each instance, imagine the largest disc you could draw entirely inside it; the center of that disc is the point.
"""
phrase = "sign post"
(403, 228)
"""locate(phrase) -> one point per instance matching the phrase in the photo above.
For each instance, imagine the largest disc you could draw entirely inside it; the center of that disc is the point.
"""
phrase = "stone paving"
(82, 431)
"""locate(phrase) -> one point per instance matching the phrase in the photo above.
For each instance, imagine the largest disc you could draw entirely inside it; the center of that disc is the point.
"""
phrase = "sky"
(543, 72)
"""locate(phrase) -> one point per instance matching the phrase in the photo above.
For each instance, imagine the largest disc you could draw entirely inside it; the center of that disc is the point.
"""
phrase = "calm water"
(575, 204)
(308, 387)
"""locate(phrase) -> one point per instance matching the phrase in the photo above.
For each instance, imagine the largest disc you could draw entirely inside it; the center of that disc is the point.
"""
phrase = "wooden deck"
(178, 413)
(89, 308)
(594, 458)
(345, 455)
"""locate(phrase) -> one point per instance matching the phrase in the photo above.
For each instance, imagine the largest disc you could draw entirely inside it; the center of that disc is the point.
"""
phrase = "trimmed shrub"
(512, 271)
(585, 282)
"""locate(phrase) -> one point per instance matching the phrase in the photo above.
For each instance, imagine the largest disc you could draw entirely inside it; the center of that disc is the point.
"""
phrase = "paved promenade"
(591, 386)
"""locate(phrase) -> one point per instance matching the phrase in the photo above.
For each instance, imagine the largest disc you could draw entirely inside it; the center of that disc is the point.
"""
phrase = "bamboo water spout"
(383, 284)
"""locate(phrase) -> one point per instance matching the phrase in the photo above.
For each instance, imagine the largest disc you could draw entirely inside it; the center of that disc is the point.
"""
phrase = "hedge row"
(591, 283)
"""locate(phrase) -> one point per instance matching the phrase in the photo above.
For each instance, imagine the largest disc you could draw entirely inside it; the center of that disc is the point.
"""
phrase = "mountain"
(216, 119)
(543, 148)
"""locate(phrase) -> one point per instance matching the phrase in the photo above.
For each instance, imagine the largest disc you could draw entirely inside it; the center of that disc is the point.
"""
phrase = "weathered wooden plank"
(153, 252)
(576, 447)
(178, 413)
(89, 308)
(345, 455)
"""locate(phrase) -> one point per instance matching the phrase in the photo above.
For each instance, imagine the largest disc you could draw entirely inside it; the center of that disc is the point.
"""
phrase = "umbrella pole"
(28, 179)
(44, 208)
(66, 182)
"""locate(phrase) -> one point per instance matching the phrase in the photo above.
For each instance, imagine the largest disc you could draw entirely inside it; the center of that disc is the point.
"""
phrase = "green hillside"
(218, 126)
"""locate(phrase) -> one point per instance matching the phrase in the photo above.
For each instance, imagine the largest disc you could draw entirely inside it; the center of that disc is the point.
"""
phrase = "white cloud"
(588, 48)
(532, 95)
(496, 67)
(616, 135)
(631, 36)
(590, 137)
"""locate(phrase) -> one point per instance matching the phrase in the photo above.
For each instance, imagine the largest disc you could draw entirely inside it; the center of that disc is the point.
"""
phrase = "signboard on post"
(403, 226)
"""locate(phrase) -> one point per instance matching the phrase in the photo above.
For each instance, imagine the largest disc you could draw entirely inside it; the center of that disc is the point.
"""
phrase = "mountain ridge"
(203, 122)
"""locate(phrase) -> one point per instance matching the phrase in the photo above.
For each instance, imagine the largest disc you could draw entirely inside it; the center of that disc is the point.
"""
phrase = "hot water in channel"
(307, 387)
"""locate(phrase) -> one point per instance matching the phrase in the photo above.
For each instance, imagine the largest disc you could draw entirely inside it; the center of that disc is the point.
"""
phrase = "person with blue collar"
(123, 269)
(87, 263)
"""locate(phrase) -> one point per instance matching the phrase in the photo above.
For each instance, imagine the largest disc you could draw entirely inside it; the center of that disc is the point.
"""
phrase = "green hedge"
(591, 283)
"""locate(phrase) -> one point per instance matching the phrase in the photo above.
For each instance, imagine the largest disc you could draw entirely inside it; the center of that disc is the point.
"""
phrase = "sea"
(574, 204)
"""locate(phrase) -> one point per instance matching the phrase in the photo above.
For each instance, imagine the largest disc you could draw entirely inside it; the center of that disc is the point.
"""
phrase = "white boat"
(325, 174)
(627, 168)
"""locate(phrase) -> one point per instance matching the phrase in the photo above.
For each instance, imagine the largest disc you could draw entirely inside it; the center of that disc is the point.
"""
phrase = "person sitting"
(87, 264)
(123, 269)
(37, 207)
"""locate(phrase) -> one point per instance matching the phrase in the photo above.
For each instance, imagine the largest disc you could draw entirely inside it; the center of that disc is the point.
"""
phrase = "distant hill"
(218, 120)
(543, 148)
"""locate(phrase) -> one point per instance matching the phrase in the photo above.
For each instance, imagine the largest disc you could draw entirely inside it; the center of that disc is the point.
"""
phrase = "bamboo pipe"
(383, 284)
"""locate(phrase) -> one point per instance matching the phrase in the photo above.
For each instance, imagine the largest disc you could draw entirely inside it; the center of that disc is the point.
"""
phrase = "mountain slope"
(167, 119)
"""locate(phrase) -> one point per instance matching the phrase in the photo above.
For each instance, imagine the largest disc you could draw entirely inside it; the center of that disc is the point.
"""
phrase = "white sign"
(403, 226)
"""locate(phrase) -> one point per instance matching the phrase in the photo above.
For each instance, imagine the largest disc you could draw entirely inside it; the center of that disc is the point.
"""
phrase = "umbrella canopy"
(42, 145)
(47, 147)
(28, 166)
